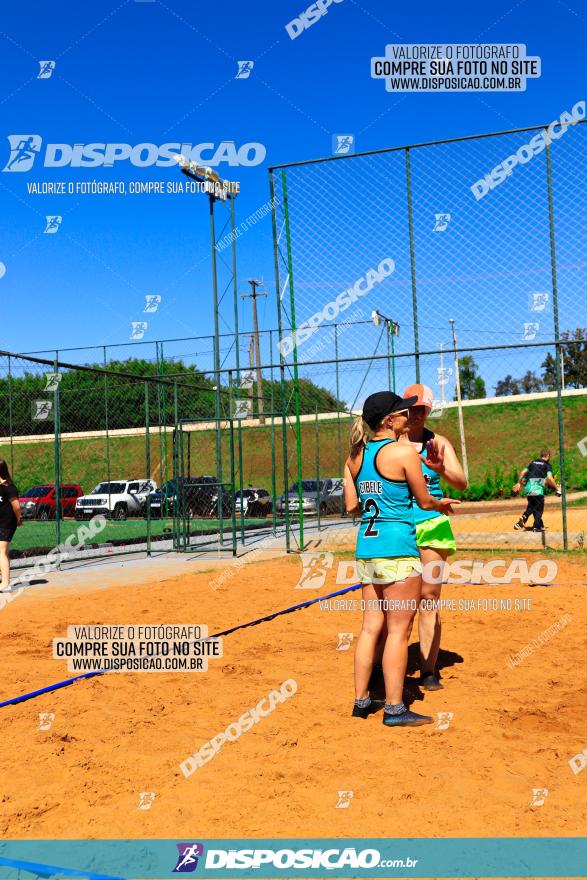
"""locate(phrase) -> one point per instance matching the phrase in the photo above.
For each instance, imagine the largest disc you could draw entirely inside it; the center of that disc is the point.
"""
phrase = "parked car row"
(185, 496)
(116, 499)
(325, 496)
(190, 496)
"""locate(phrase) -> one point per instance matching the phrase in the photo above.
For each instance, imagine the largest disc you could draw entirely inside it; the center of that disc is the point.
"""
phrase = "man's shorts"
(388, 570)
(437, 534)
(7, 534)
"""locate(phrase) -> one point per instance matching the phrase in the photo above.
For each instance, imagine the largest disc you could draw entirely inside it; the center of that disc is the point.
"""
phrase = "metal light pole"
(253, 296)
(210, 183)
(459, 400)
(392, 328)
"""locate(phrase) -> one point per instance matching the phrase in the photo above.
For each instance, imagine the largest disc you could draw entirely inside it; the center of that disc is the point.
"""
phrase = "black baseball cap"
(384, 403)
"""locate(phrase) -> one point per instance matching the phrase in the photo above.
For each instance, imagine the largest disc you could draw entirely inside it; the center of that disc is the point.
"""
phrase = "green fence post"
(232, 464)
(161, 370)
(318, 486)
(238, 370)
(10, 426)
(413, 262)
(160, 431)
(232, 483)
(240, 472)
(393, 356)
(273, 474)
(388, 358)
(281, 365)
(295, 360)
(106, 427)
(148, 467)
(338, 422)
(239, 430)
(559, 402)
(235, 291)
(57, 461)
(217, 405)
(176, 512)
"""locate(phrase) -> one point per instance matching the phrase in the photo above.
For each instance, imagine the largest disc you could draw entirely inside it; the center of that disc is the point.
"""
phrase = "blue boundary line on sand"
(61, 684)
(52, 870)
(68, 681)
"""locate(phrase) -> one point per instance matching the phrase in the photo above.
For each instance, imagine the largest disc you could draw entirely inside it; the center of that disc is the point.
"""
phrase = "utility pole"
(442, 344)
(392, 330)
(252, 367)
(459, 400)
(253, 296)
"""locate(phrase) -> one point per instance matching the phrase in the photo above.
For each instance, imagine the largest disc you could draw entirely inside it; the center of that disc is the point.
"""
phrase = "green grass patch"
(33, 535)
(501, 440)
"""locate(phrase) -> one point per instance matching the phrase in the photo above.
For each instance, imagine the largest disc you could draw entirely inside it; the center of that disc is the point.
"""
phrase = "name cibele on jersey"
(371, 487)
(387, 520)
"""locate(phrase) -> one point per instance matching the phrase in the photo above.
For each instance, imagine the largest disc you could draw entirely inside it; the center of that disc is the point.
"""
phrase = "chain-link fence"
(150, 455)
(143, 448)
(460, 258)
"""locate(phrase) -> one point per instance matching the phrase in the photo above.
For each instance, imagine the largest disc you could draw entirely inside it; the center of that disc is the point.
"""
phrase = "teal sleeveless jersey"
(387, 522)
(432, 484)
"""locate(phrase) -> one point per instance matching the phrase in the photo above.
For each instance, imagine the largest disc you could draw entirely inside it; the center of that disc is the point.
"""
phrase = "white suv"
(117, 499)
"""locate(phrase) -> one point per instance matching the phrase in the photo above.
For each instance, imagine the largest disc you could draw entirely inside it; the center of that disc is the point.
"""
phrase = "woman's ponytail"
(4, 472)
(361, 433)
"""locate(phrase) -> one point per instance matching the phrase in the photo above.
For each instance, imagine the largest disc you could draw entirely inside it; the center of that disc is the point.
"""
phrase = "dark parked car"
(255, 502)
(190, 496)
(39, 502)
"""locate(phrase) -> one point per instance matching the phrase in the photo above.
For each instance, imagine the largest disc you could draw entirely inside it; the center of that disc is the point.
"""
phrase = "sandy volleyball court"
(512, 729)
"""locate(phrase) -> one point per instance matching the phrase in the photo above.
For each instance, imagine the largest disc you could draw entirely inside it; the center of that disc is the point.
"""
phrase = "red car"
(39, 502)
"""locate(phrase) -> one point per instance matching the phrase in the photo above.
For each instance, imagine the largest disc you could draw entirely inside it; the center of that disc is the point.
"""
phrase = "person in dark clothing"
(534, 478)
(9, 520)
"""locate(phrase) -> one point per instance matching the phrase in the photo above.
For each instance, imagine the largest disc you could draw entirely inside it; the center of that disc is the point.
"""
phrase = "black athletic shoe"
(359, 712)
(406, 719)
(430, 682)
(538, 530)
(520, 524)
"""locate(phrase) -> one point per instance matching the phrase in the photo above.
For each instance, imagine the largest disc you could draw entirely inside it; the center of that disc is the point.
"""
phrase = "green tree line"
(90, 401)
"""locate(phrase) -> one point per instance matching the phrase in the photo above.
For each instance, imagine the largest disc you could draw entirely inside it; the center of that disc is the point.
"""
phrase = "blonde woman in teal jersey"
(381, 476)
(433, 531)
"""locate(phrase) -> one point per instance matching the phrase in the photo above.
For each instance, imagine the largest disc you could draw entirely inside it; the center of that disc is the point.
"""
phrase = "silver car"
(324, 495)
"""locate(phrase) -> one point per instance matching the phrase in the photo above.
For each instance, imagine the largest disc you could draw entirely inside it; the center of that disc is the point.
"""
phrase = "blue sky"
(160, 72)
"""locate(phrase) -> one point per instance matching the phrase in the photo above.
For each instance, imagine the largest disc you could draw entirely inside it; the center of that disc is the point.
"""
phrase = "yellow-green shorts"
(437, 534)
(387, 570)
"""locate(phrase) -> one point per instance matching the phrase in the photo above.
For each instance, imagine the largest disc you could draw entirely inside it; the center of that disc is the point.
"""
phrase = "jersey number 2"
(372, 511)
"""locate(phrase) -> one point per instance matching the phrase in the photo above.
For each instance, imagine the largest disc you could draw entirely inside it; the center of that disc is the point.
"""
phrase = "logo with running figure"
(531, 329)
(146, 799)
(152, 302)
(24, 149)
(342, 144)
(53, 223)
(46, 71)
(138, 329)
(187, 860)
(315, 569)
(46, 720)
(444, 720)
(344, 641)
(441, 222)
(245, 68)
(344, 800)
(539, 795)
